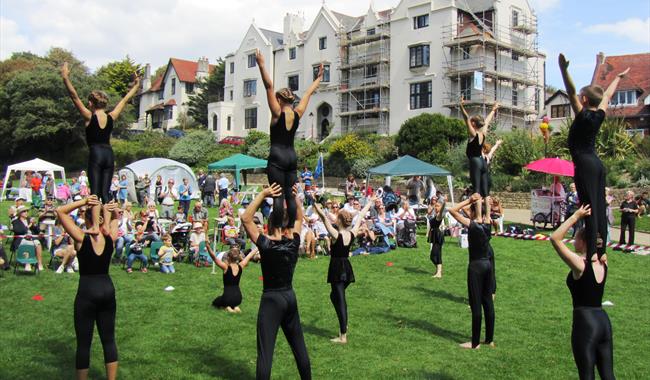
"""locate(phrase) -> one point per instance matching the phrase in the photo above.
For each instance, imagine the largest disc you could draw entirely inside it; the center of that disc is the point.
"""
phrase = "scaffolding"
(487, 63)
(363, 92)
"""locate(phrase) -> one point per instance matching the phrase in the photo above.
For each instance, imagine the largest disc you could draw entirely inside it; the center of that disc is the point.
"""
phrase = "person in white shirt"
(169, 194)
(222, 185)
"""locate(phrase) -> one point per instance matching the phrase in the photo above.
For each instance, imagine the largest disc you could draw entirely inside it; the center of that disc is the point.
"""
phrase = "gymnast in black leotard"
(282, 161)
(479, 270)
(95, 300)
(99, 125)
(590, 107)
(232, 271)
(339, 273)
(591, 334)
(476, 130)
(435, 236)
(278, 306)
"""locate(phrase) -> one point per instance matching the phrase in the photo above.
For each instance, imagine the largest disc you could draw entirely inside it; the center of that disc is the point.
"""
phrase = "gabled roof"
(637, 79)
(348, 22)
(555, 94)
(156, 84)
(276, 38)
(186, 70)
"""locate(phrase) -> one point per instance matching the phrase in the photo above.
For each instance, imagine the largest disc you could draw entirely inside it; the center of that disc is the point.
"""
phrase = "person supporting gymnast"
(99, 125)
(339, 273)
(95, 300)
(479, 270)
(278, 306)
(589, 106)
(282, 161)
(591, 334)
(477, 130)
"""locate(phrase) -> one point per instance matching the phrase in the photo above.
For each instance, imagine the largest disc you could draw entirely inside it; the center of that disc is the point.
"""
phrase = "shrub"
(361, 166)
(140, 146)
(351, 147)
(260, 149)
(194, 147)
(517, 150)
(429, 137)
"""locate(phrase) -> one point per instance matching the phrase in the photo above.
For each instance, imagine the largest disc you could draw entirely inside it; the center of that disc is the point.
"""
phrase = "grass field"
(403, 323)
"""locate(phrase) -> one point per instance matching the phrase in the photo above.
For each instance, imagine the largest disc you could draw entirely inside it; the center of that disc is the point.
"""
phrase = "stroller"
(180, 234)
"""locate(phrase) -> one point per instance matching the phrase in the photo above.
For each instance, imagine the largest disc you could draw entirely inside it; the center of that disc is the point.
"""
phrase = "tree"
(118, 75)
(192, 148)
(209, 90)
(430, 137)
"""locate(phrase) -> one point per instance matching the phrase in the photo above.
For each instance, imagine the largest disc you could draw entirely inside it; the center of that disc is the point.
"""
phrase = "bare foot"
(468, 345)
(437, 275)
(494, 296)
(339, 339)
(237, 309)
(229, 309)
(491, 344)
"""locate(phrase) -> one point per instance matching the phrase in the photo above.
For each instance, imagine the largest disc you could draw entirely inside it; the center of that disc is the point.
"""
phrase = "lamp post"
(311, 116)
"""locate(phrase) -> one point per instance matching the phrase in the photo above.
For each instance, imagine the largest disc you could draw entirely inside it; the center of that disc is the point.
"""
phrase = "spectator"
(374, 210)
(496, 214)
(137, 249)
(169, 196)
(332, 212)
(385, 222)
(123, 192)
(572, 202)
(350, 186)
(196, 237)
(557, 189)
(13, 214)
(128, 211)
(200, 214)
(232, 234)
(180, 215)
(62, 247)
(152, 229)
(167, 254)
(629, 211)
(223, 185)
(644, 204)
(83, 178)
(209, 187)
(200, 181)
(405, 213)
(63, 193)
(225, 209)
(145, 191)
(366, 190)
(74, 187)
(609, 200)
(158, 189)
(414, 188)
(35, 184)
(185, 196)
(115, 187)
(22, 228)
(124, 234)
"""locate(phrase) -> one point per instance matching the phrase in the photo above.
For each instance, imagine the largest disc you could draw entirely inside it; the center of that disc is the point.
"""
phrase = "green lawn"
(403, 323)
(642, 223)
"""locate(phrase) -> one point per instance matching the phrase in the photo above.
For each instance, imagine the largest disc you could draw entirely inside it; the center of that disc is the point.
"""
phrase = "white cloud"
(634, 29)
(542, 6)
(151, 31)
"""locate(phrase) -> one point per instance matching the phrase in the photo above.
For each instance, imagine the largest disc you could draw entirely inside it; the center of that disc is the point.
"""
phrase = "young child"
(167, 255)
(137, 249)
(180, 215)
(231, 232)
(196, 237)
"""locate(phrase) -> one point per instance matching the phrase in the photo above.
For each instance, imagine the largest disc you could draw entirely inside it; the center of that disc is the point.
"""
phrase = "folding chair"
(26, 254)
(153, 251)
(203, 255)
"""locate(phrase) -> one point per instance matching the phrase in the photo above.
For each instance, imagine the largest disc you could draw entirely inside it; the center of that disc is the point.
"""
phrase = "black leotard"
(94, 303)
(281, 168)
(589, 175)
(479, 282)
(477, 166)
(591, 334)
(436, 238)
(231, 296)
(101, 162)
(340, 275)
(278, 306)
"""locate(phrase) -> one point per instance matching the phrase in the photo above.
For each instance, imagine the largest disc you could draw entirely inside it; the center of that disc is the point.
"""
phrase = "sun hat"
(197, 225)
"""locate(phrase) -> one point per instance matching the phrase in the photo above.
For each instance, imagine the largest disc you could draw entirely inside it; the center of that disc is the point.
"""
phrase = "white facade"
(558, 109)
(371, 71)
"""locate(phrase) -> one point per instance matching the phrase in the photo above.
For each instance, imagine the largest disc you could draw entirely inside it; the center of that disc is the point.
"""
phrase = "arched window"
(215, 120)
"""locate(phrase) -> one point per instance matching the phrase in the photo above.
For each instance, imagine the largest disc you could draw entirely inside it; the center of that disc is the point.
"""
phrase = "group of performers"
(95, 301)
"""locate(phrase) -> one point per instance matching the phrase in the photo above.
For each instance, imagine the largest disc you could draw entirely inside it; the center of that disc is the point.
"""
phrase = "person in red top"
(366, 189)
(35, 184)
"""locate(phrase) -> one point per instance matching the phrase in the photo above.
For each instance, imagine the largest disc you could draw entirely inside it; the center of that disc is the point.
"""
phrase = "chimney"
(202, 68)
(600, 58)
(146, 78)
(293, 24)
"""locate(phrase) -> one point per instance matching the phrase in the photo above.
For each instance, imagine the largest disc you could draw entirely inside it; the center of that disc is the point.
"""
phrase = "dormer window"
(624, 98)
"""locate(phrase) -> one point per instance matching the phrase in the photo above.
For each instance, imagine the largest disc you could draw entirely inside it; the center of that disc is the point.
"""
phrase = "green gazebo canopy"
(237, 163)
(407, 166)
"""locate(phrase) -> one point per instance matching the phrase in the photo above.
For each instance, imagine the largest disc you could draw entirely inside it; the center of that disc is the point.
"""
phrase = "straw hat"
(197, 225)
(21, 209)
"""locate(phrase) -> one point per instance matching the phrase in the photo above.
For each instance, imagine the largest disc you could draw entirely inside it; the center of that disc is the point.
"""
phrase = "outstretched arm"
(604, 103)
(362, 215)
(268, 84)
(214, 257)
(302, 106)
(470, 130)
(326, 221)
(65, 74)
(573, 260)
(115, 113)
(568, 84)
(490, 116)
(247, 217)
(494, 149)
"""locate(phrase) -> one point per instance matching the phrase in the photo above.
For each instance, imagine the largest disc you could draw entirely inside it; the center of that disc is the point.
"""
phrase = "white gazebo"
(36, 165)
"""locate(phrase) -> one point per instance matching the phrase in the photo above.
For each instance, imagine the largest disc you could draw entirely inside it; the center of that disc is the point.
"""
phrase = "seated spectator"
(63, 247)
(23, 229)
(405, 213)
(232, 234)
(385, 223)
(200, 214)
(124, 233)
(496, 214)
(225, 209)
(180, 215)
(74, 187)
(152, 210)
(46, 215)
(643, 203)
(20, 201)
(167, 254)
(137, 247)
(127, 209)
(196, 237)
(320, 232)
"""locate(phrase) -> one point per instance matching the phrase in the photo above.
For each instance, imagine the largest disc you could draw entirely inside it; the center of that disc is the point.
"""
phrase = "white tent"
(37, 165)
(164, 167)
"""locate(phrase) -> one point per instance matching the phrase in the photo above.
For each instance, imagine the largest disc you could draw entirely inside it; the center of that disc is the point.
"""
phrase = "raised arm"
(362, 215)
(68, 224)
(326, 221)
(302, 106)
(568, 84)
(441, 214)
(216, 260)
(247, 217)
(455, 210)
(65, 74)
(494, 149)
(115, 113)
(573, 260)
(490, 116)
(248, 258)
(470, 130)
(274, 105)
(111, 224)
(300, 212)
(604, 103)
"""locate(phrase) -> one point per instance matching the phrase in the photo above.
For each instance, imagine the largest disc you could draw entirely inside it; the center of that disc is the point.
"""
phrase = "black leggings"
(436, 254)
(286, 179)
(95, 303)
(279, 308)
(493, 287)
(479, 283)
(627, 221)
(590, 182)
(101, 165)
(337, 296)
(591, 340)
(478, 175)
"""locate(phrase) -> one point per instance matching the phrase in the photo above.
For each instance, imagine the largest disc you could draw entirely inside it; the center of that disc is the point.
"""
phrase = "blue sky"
(154, 30)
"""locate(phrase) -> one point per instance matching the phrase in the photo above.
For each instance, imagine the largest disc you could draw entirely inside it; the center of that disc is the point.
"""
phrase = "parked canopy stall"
(36, 165)
(237, 163)
(408, 166)
(164, 167)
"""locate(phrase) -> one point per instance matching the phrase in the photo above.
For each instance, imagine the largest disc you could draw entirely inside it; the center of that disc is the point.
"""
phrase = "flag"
(319, 167)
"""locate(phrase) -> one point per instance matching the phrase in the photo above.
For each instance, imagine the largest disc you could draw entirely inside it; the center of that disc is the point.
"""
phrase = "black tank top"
(282, 154)
(586, 291)
(478, 241)
(95, 134)
(341, 250)
(229, 279)
(435, 235)
(474, 148)
(89, 262)
(278, 260)
(583, 132)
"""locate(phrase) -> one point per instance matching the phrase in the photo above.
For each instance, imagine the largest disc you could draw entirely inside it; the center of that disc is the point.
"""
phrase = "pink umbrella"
(554, 166)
